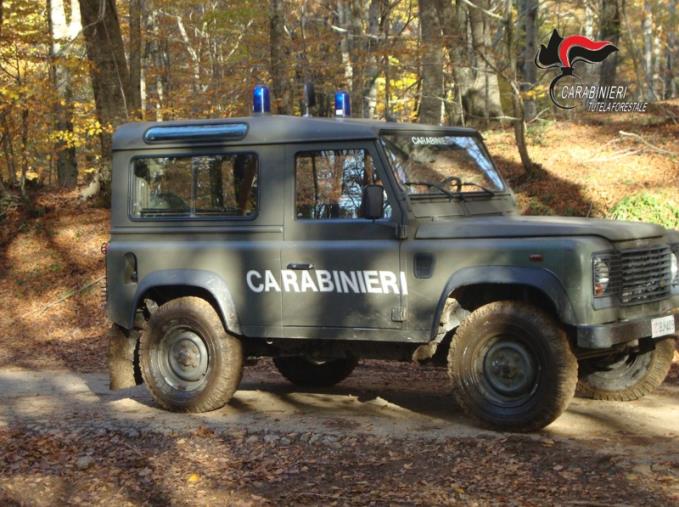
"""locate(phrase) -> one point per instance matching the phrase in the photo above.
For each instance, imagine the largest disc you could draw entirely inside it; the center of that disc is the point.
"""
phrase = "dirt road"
(272, 442)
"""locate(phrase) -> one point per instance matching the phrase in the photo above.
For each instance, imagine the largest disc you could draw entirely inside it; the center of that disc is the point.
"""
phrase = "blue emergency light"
(261, 100)
(342, 104)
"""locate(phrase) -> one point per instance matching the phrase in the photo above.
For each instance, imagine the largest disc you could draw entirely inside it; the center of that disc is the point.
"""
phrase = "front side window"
(329, 183)
(426, 163)
(195, 186)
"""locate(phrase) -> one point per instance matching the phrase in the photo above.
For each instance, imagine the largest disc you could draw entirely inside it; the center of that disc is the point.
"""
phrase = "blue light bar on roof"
(196, 133)
(261, 100)
(342, 104)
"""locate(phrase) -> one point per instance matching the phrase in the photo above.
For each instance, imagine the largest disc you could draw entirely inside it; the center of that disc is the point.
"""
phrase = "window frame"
(187, 218)
(319, 148)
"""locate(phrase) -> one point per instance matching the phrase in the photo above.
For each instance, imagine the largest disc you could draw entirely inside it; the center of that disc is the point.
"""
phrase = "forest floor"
(52, 325)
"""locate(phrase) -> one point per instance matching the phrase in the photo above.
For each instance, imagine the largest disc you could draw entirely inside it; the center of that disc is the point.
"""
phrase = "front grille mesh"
(641, 275)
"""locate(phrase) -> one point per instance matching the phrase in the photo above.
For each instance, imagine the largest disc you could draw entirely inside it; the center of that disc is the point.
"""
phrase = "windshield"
(435, 163)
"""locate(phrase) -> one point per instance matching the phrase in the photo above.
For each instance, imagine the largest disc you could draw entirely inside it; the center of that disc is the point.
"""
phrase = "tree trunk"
(344, 22)
(647, 29)
(8, 150)
(135, 105)
(528, 12)
(610, 31)
(670, 52)
(109, 74)
(280, 58)
(61, 36)
(368, 94)
(155, 87)
(453, 26)
(482, 98)
(432, 64)
(517, 101)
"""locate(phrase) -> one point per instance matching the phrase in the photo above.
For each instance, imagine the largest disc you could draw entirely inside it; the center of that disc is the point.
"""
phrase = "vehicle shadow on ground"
(391, 392)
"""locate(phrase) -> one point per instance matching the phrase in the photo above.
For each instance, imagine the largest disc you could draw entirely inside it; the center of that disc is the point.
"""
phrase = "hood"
(527, 226)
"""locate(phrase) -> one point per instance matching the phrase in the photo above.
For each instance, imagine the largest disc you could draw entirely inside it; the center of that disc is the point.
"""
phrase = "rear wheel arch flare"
(163, 286)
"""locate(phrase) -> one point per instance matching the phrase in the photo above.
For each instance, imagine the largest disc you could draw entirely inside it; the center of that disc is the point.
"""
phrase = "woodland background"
(72, 70)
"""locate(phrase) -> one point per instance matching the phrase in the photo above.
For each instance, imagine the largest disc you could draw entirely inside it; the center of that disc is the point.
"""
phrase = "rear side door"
(338, 270)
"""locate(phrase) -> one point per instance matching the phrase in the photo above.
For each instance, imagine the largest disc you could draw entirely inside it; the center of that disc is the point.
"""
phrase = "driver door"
(339, 270)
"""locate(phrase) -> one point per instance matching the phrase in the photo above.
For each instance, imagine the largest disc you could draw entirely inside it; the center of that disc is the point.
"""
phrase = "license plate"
(662, 326)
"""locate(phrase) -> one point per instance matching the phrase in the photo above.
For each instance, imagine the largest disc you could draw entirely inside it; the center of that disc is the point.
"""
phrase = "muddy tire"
(188, 361)
(123, 358)
(302, 371)
(626, 377)
(511, 367)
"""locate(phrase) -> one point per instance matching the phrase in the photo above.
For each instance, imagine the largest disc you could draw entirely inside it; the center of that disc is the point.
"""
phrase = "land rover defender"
(322, 241)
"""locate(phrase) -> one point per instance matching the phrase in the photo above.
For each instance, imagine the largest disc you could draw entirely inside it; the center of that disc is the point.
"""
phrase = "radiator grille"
(641, 275)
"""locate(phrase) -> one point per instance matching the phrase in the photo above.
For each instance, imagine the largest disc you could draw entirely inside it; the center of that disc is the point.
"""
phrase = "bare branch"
(485, 11)
(654, 148)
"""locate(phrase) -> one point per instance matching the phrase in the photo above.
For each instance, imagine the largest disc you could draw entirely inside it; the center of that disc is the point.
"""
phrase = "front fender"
(537, 278)
(196, 278)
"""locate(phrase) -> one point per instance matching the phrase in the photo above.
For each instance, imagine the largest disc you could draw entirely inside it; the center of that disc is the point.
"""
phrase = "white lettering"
(324, 279)
(307, 282)
(248, 278)
(338, 285)
(289, 281)
(389, 281)
(404, 284)
(372, 282)
(361, 281)
(340, 282)
(349, 282)
(270, 282)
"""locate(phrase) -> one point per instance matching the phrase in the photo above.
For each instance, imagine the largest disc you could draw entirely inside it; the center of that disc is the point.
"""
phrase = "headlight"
(674, 269)
(601, 276)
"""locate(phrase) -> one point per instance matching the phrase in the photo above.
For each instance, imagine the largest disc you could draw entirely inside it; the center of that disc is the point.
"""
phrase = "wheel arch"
(480, 285)
(170, 284)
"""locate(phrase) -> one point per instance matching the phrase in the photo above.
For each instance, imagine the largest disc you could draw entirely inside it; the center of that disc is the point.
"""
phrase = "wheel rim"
(508, 371)
(183, 359)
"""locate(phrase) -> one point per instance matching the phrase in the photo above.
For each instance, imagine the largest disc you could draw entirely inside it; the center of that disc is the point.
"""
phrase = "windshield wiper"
(472, 184)
(459, 184)
(431, 184)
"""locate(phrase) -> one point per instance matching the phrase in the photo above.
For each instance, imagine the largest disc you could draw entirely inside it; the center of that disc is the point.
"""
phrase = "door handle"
(300, 266)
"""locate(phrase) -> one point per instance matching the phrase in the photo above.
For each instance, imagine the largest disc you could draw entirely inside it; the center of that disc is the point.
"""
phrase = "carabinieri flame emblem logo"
(563, 53)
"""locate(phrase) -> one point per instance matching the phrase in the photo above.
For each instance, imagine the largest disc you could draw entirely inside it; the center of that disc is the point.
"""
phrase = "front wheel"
(626, 376)
(188, 361)
(511, 367)
(303, 371)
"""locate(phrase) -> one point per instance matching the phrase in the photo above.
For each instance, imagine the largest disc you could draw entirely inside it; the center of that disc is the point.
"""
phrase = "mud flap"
(122, 358)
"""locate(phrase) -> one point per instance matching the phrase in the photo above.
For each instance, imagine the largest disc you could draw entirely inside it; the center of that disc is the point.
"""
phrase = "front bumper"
(607, 335)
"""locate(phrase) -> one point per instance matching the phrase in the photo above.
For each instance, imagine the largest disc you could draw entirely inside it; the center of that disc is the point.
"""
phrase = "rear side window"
(195, 186)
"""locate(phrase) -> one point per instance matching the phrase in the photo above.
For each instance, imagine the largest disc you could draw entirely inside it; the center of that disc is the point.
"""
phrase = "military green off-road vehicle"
(319, 242)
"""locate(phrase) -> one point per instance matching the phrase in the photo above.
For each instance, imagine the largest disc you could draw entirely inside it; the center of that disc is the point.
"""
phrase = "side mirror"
(372, 203)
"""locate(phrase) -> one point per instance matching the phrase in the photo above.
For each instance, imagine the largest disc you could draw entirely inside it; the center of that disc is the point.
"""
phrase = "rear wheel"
(511, 367)
(626, 376)
(188, 361)
(303, 371)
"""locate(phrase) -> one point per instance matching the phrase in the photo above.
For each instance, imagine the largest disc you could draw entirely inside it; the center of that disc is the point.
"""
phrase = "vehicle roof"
(273, 129)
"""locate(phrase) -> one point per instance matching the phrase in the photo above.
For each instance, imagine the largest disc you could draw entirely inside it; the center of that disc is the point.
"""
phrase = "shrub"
(647, 207)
